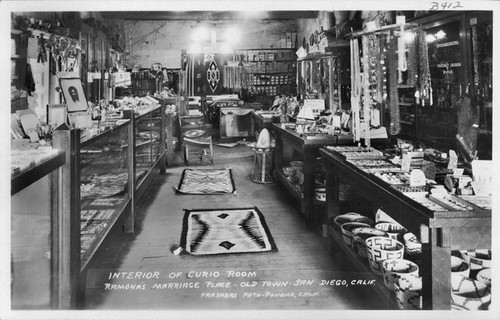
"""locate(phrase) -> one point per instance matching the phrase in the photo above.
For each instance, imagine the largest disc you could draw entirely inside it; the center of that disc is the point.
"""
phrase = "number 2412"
(445, 5)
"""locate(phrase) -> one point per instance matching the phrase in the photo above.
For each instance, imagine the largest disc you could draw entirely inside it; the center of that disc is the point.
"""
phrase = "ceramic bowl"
(380, 249)
(347, 229)
(395, 269)
(352, 217)
(359, 236)
(392, 229)
(470, 294)
(408, 292)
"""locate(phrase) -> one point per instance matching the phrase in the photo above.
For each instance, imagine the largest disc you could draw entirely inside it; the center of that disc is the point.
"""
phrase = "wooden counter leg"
(332, 195)
(308, 209)
(436, 272)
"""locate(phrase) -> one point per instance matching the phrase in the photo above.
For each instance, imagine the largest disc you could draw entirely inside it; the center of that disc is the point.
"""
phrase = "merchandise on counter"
(372, 163)
(421, 197)
(450, 202)
(483, 202)
(392, 177)
(354, 153)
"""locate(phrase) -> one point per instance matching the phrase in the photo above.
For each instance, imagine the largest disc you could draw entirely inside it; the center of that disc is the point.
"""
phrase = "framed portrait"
(73, 93)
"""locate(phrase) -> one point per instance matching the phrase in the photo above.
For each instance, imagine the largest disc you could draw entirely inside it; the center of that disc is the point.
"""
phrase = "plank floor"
(289, 279)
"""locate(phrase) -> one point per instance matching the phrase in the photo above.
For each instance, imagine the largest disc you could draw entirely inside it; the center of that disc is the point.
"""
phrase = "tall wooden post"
(66, 221)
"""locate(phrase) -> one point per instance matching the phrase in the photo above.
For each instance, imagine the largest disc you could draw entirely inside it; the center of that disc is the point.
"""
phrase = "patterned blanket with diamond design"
(223, 231)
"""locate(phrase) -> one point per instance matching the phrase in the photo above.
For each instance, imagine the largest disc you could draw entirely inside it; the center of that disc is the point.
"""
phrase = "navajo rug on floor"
(206, 181)
(223, 231)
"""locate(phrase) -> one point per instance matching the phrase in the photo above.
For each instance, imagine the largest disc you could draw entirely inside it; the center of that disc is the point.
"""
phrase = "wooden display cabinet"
(292, 146)
(439, 231)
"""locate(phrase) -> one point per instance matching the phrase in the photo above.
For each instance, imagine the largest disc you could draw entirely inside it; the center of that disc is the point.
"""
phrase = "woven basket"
(470, 294)
(352, 217)
(348, 228)
(359, 236)
(394, 230)
(380, 249)
(459, 268)
(395, 269)
(408, 292)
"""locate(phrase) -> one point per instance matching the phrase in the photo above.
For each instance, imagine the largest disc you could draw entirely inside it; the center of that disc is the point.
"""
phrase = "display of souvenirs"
(483, 202)
(425, 201)
(95, 227)
(372, 163)
(358, 152)
(451, 202)
(106, 202)
(26, 158)
(104, 185)
(97, 214)
(393, 177)
(411, 189)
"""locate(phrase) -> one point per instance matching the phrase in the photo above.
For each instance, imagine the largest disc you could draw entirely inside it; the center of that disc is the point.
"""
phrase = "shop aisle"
(294, 277)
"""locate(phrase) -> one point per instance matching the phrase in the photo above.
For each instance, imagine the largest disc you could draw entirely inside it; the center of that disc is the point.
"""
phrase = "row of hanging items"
(234, 77)
(373, 81)
(61, 48)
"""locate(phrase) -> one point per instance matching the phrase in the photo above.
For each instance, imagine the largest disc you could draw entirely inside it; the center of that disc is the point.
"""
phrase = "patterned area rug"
(223, 231)
(206, 181)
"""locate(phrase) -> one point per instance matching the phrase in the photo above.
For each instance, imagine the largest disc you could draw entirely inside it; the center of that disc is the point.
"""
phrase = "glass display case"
(149, 151)
(33, 185)
(105, 185)
(319, 78)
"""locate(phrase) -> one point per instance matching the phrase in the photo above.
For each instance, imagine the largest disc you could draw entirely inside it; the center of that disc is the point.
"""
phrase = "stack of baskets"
(390, 251)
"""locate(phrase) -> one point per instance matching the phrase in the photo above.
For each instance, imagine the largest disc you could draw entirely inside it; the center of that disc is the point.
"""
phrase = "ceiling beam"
(209, 15)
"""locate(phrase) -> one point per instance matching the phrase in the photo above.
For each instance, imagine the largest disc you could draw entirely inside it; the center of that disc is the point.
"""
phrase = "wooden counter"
(439, 232)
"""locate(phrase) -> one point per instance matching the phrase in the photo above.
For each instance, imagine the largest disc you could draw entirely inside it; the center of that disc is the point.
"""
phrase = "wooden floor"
(297, 277)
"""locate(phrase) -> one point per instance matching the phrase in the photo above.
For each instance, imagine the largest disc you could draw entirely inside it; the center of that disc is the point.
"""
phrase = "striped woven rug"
(225, 231)
(206, 181)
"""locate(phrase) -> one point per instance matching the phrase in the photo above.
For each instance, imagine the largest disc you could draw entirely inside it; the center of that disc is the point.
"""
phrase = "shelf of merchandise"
(438, 231)
(360, 264)
(285, 56)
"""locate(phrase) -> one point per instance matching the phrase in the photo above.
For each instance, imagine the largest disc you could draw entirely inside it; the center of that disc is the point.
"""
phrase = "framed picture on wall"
(73, 93)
